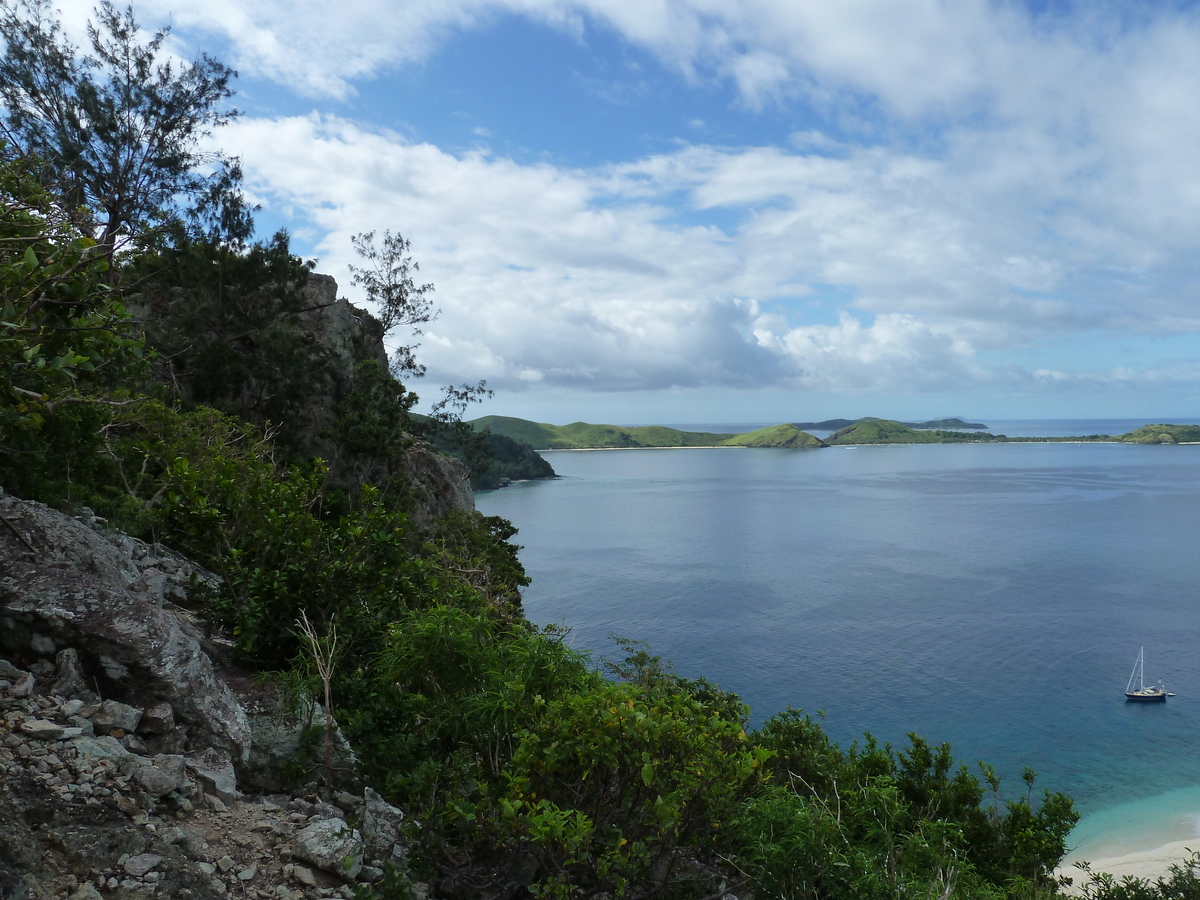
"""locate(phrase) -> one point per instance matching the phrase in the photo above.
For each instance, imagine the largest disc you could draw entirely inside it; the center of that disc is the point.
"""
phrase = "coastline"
(1148, 865)
(835, 446)
(1142, 838)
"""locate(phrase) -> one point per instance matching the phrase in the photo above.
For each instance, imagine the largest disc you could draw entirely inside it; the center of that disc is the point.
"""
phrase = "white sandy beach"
(1145, 864)
(1142, 838)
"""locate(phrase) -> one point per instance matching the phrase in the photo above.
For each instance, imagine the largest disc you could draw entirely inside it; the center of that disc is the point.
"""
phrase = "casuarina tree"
(115, 131)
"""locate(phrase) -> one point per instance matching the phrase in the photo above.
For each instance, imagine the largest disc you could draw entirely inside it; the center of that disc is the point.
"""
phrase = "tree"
(116, 132)
(66, 348)
(388, 279)
(63, 332)
(399, 301)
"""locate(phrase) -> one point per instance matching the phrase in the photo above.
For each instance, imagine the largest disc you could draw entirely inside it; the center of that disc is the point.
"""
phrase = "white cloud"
(543, 275)
(1001, 179)
(581, 278)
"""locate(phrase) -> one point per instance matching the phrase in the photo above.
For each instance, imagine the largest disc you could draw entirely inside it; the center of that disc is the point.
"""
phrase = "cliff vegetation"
(165, 374)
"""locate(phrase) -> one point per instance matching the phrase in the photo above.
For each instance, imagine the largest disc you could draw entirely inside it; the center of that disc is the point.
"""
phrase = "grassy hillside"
(1162, 434)
(536, 435)
(886, 431)
(583, 436)
(948, 423)
(836, 424)
(788, 436)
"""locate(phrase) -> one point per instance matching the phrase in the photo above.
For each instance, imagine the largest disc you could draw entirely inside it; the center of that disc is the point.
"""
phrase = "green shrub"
(627, 791)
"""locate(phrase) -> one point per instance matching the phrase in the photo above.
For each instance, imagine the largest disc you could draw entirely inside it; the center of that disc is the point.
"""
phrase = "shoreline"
(1148, 865)
(1141, 838)
(835, 446)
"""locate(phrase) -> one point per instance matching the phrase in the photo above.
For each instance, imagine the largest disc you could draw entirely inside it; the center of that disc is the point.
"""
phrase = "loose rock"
(332, 846)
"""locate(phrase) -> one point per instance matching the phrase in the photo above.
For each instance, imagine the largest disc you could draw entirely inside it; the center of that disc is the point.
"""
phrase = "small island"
(838, 424)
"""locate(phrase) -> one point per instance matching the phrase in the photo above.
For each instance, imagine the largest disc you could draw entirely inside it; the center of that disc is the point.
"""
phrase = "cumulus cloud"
(987, 179)
(583, 278)
(543, 274)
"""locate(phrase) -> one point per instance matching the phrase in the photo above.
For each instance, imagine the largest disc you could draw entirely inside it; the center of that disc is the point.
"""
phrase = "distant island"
(838, 424)
(849, 432)
(585, 436)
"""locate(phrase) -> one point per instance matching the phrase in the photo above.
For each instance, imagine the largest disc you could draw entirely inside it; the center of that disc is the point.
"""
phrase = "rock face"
(278, 739)
(80, 606)
(63, 585)
(85, 817)
(125, 752)
(441, 484)
(349, 335)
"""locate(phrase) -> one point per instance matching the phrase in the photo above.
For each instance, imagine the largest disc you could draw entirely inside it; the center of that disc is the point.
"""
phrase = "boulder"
(214, 770)
(330, 845)
(42, 729)
(84, 590)
(277, 737)
(24, 687)
(71, 681)
(158, 718)
(381, 826)
(115, 715)
(154, 781)
(109, 748)
(139, 865)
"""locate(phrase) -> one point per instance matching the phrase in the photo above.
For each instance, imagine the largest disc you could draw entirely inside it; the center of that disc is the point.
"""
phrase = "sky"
(689, 211)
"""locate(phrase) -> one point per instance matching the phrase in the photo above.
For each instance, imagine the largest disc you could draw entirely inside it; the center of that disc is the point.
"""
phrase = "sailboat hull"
(1146, 696)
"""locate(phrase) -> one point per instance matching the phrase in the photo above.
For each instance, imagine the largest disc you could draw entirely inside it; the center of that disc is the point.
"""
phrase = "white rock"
(42, 729)
(331, 845)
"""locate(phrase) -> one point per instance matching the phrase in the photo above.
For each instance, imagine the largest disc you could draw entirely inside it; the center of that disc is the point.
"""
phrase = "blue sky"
(748, 210)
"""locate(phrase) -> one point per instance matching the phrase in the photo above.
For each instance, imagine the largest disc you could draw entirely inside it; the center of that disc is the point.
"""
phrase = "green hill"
(1162, 434)
(536, 435)
(837, 424)
(584, 436)
(788, 436)
(887, 431)
(948, 423)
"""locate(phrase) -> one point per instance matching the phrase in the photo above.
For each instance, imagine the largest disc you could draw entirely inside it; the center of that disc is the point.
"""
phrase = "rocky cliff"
(347, 336)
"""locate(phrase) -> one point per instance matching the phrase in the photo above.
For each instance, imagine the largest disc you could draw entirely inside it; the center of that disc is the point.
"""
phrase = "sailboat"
(1137, 690)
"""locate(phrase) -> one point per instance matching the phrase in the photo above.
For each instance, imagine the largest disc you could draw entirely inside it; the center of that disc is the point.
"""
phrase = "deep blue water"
(992, 596)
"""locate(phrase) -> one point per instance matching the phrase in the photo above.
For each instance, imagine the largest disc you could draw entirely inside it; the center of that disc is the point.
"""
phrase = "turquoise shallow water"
(992, 596)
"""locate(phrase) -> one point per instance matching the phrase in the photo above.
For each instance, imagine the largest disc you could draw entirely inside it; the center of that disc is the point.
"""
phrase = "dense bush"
(873, 822)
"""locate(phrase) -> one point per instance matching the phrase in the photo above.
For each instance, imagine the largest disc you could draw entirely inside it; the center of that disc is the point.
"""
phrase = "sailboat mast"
(1138, 673)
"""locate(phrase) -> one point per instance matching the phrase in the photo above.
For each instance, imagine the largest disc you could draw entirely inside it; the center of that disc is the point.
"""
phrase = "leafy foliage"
(115, 132)
(627, 790)
(1182, 882)
(871, 822)
(64, 338)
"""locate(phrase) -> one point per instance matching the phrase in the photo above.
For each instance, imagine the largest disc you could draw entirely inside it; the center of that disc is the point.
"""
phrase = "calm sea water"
(992, 596)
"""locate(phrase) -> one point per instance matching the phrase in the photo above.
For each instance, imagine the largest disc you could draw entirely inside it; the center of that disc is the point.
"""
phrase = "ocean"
(993, 596)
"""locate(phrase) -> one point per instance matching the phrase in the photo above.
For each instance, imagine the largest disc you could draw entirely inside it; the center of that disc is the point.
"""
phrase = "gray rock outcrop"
(85, 817)
(64, 585)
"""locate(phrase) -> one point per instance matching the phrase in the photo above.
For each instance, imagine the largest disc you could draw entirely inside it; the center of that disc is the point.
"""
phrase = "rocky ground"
(136, 761)
(88, 809)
